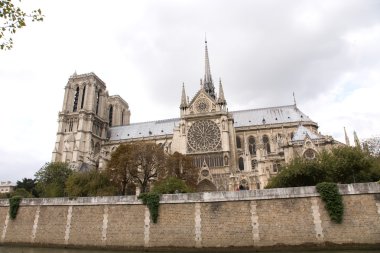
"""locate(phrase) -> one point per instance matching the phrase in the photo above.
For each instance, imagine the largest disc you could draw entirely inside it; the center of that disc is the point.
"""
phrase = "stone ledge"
(277, 193)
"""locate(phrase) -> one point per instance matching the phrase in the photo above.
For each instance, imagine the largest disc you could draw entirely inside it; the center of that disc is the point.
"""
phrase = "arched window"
(110, 114)
(254, 165)
(238, 142)
(75, 106)
(241, 163)
(122, 117)
(252, 145)
(266, 143)
(83, 95)
(97, 101)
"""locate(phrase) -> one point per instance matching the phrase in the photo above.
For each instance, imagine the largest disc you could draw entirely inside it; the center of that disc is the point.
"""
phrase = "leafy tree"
(181, 167)
(90, 183)
(13, 18)
(171, 185)
(137, 163)
(22, 193)
(372, 145)
(29, 185)
(342, 165)
(51, 179)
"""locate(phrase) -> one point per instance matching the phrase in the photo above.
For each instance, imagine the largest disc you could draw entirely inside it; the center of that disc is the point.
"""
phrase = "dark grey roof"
(272, 115)
(269, 115)
(143, 129)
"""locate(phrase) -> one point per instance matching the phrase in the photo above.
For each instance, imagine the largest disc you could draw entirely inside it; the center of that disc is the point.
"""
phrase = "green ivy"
(152, 200)
(333, 200)
(14, 204)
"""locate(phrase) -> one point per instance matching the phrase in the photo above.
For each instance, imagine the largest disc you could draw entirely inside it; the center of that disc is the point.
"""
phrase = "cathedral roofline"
(121, 99)
(85, 75)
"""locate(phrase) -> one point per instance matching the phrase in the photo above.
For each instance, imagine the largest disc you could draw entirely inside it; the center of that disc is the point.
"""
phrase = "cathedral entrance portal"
(206, 186)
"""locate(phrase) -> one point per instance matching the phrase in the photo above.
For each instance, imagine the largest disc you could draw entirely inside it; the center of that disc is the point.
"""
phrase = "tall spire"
(208, 85)
(357, 141)
(346, 137)
(221, 99)
(183, 104)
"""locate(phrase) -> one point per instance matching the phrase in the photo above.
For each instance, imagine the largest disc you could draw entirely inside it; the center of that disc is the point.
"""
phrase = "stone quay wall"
(245, 219)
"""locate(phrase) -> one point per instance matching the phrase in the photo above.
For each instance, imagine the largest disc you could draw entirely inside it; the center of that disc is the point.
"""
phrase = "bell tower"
(84, 121)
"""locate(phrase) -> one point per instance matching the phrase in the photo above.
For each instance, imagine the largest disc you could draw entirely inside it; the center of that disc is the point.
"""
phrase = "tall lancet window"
(97, 102)
(122, 117)
(110, 116)
(266, 143)
(75, 106)
(83, 95)
(252, 145)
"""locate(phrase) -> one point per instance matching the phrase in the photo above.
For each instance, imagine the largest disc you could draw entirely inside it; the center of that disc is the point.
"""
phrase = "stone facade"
(233, 150)
(248, 220)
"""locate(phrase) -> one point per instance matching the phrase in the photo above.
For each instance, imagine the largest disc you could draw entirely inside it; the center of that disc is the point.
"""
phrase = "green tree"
(13, 18)
(138, 163)
(22, 193)
(29, 185)
(181, 167)
(341, 165)
(171, 185)
(90, 183)
(51, 179)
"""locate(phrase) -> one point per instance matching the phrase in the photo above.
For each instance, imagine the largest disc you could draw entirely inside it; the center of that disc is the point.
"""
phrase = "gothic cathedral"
(236, 150)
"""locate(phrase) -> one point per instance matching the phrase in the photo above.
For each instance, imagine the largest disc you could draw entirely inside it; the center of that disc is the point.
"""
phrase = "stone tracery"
(204, 136)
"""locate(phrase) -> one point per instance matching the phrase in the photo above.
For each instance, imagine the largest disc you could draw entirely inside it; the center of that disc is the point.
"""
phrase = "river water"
(4, 249)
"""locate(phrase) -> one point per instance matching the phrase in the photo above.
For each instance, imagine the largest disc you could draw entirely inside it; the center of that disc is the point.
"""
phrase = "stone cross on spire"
(208, 85)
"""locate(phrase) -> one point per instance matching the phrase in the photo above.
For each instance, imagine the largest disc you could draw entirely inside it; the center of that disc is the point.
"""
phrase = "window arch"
(252, 145)
(241, 163)
(266, 143)
(76, 96)
(110, 115)
(238, 142)
(83, 96)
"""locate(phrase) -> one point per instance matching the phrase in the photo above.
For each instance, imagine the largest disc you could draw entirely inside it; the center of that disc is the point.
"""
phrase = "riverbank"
(273, 219)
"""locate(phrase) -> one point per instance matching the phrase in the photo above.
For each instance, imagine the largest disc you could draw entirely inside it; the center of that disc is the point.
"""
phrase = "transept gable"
(202, 102)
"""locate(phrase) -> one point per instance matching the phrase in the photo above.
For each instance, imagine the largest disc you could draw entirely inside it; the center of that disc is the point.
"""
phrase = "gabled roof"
(302, 132)
(244, 118)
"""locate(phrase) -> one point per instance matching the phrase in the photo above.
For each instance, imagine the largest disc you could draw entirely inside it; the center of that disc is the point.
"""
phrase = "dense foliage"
(333, 200)
(29, 185)
(89, 183)
(14, 204)
(141, 163)
(171, 185)
(342, 165)
(13, 18)
(152, 200)
(51, 179)
(181, 167)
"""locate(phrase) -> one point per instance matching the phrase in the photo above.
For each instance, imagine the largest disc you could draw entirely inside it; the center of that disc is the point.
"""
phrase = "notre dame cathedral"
(233, 150)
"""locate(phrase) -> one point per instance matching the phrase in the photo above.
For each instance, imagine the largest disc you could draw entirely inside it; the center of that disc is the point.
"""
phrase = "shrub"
(14, 204)
(152, 200)
(333, 200)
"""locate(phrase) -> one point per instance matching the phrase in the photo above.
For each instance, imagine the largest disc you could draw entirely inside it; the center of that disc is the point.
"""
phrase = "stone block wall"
(246, 219)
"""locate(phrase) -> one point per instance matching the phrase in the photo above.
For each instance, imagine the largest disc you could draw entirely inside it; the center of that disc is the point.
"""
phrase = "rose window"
(204, 136)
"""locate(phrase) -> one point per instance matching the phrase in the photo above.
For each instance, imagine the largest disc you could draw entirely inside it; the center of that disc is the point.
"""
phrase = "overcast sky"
(327, 52)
